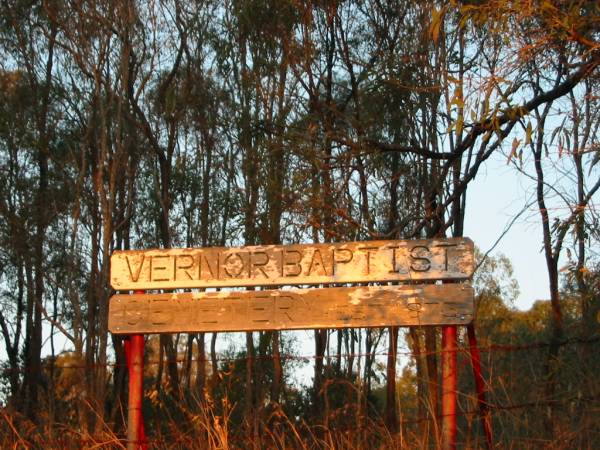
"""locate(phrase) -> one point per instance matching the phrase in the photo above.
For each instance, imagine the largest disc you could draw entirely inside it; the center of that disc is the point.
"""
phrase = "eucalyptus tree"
(561, 137)
(252, 59)
(28, 46)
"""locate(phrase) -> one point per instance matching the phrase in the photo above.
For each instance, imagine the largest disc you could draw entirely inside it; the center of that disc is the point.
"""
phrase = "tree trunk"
(320, 344)
(391, 410)
(201, 367)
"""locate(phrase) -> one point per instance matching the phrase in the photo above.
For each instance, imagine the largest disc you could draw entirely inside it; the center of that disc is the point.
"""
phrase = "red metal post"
(134, 354)
(484, 411)
(449, 386)
(135, 421)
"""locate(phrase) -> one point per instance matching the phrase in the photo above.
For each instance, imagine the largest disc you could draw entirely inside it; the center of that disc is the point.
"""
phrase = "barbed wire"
(223, 359)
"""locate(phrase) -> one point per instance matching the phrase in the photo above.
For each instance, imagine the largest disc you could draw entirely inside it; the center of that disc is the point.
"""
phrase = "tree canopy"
(190, 124)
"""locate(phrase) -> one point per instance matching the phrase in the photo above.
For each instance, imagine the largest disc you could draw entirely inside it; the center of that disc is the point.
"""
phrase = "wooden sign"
(272, 265)
(293, 309)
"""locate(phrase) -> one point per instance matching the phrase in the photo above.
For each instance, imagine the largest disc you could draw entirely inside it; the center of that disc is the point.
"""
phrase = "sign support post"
(134, 353)
(449, 386)
(484, 411)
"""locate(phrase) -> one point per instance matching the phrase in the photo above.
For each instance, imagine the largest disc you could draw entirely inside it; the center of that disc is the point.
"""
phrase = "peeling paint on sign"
(363, 306)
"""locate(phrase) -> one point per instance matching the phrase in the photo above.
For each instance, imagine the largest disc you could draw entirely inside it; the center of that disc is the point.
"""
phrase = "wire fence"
(491, 348)
(498, 405)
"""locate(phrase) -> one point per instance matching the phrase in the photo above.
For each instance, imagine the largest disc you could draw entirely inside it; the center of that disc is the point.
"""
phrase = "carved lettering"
(178, 265)
(262, 308)
(446, 246)
(419, 263)
(131, 312)
(344, 260)
(212, 311)
(333, 307)
(204, 263)
(317, 262)
(209, 314)
(396, 268)
(413, 303)
(305, 264)
(239, 306)
(284, 305)
(138, 271)
(161, 315)
(368, 251)
(162, 276)
(258, 263)
(295, 264)
(229, 264)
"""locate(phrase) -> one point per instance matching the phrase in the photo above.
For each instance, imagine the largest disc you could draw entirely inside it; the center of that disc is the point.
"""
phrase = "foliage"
(135, 125)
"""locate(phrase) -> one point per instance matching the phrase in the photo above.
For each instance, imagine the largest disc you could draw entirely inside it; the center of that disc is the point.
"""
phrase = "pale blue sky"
(498, 193)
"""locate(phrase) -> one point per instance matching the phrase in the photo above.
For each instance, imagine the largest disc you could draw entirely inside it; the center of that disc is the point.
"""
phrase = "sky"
(495, 197)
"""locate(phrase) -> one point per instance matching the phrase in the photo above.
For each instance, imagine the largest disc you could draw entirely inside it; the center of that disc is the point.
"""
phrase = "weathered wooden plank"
(365, 306)
(271, 265)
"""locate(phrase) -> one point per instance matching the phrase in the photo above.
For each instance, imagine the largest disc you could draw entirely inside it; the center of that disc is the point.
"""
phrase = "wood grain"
(302, 264)
(292, 309)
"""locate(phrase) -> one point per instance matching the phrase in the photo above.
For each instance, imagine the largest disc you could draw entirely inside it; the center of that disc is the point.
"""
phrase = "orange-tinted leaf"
(513, 151)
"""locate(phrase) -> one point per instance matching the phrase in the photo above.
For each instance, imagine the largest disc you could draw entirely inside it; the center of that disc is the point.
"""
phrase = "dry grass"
(205, 426)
